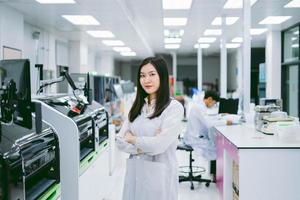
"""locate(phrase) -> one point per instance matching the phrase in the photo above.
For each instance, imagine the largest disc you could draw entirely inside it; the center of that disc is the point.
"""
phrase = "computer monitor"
(118, 90)
(229, 106)
(85, 82)
(127, 87)
(266, 101)
(15, 97)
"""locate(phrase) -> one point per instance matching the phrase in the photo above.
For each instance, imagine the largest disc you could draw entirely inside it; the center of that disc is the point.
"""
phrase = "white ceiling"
(139, 23)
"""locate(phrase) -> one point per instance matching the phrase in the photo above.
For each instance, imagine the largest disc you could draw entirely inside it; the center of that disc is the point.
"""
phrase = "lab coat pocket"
(145, 180)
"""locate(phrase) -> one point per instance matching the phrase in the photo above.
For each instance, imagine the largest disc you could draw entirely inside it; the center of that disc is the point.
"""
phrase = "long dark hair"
(163, 92)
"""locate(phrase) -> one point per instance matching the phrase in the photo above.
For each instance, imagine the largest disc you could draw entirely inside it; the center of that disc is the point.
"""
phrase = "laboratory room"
(149, 100)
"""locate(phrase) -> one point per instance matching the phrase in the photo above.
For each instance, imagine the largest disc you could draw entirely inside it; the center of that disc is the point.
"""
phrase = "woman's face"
(149, 79)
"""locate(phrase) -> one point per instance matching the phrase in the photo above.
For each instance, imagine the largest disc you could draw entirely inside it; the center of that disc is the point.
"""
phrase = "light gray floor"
(200, 192)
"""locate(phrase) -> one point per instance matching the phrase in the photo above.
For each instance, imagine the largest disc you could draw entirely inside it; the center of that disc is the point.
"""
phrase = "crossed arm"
(157, 144)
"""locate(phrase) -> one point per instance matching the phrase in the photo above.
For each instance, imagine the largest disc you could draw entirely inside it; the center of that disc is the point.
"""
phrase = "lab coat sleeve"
(121, 143)
(171, 127)
(210, 121)
(197, 134)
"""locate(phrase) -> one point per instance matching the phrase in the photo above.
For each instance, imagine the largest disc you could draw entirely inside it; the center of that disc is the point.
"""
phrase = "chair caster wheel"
(192, 186)
(207, 184)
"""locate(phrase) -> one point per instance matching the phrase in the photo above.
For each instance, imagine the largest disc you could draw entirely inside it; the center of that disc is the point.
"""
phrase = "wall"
(232, 70)
(91, 60)
(62, 53)
(104, 64)
(11, 29)
(51, 50)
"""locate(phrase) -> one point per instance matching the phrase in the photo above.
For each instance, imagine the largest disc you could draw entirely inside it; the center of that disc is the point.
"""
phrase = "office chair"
(191, 169)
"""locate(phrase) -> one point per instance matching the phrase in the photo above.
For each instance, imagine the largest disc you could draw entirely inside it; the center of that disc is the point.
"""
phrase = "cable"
(49, 82)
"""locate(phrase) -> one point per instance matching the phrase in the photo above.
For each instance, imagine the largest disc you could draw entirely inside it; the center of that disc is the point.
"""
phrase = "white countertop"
(246, 137)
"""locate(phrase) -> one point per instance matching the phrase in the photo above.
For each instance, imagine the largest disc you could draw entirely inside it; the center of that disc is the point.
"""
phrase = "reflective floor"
(201, 192)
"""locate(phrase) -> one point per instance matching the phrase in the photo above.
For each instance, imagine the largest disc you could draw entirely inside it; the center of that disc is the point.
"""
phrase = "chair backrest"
(228, 106)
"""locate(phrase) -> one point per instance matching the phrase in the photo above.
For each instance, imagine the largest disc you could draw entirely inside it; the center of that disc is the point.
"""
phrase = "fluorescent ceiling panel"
(237, 40)
(293, 38)
(295, 45)
(175, 21)
(181, 32)
(132, 53)
(274, 19)
(173, 33)
(232, 45)
(229, 21)
(172, 46)
(166, 33)
(257, 31)
(81, 19)
(56, 1)
(101, 34)
(293, 4)
(207, 40)
(296, 32)
(122, 49)
(172, 40)
(236, 4)
(177, 4)
(202, 46)
(213, 32)
(113, 42)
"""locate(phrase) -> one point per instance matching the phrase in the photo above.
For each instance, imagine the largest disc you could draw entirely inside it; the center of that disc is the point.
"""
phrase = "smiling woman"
(150, 136)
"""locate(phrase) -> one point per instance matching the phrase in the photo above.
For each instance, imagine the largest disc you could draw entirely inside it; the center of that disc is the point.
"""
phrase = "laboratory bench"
(252, 165)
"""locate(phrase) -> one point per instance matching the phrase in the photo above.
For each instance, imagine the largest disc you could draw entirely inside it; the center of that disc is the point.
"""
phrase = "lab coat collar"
(151, 103)
(149, 106)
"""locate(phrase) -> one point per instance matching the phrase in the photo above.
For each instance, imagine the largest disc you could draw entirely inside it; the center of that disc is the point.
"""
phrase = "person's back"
(198, 133)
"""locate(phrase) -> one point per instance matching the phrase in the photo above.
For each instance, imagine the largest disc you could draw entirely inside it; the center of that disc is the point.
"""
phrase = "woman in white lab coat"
(150, 136)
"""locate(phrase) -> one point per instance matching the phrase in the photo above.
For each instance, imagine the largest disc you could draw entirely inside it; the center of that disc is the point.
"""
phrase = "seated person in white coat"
(199, 135)
(150, 136)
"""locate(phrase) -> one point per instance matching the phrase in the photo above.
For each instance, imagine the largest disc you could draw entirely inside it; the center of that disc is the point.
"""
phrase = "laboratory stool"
(191, 170)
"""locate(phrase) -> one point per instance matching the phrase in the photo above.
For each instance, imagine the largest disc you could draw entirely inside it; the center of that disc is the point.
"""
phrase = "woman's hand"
(129, 137)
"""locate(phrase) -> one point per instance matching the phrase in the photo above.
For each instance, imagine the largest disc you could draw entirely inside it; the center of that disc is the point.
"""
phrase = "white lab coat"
(199, 134)
(160, 148)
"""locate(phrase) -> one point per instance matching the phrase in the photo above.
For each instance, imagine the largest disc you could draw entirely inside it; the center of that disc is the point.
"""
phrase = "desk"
(262, 167)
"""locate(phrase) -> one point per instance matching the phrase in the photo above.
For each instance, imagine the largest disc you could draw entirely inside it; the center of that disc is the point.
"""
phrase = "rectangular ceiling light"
(81, 19)
(175, 21)
(172, 46)
(236, 4)
(202, 46)
(237, 40)
(229, 21)
(101, 34)
(166, 33)
(177, 4)
(207, 40)
(293, 4)
(295, 45)
(56, 1)
(113, 42)
(232, 45)
(274, 19)
(257, 31)
(172, 40)
(296, 32)
(173, 33)
(131, 53)
(121, 49)
(213, 32)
